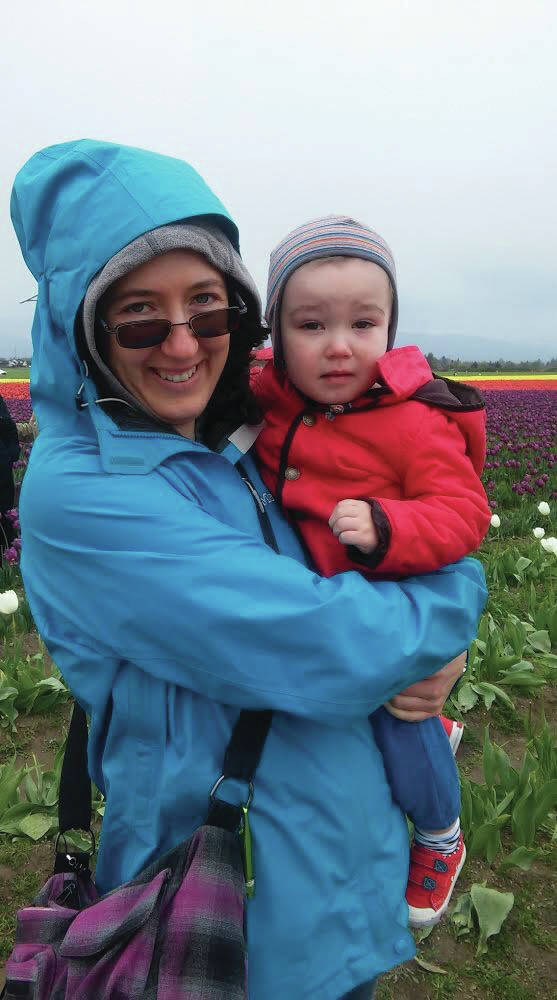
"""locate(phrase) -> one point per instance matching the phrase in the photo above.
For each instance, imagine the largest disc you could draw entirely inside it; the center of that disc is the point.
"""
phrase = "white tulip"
(538, 532)
(8, 602)
(549, 544)
(495, 521)
(544, 508)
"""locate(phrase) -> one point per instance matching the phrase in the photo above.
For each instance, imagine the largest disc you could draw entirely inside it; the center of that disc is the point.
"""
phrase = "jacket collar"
(401, 372)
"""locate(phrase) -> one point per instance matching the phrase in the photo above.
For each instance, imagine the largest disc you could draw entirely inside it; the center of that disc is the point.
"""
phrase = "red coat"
(413, 447)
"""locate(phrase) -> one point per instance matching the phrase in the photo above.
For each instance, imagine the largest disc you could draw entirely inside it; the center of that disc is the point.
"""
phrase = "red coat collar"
(401, 371)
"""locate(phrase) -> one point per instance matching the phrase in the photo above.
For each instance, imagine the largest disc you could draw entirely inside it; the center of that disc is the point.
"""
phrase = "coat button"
(292, 473)
(308, 419)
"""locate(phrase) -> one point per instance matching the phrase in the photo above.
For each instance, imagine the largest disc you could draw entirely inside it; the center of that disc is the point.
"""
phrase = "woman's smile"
(176, 378)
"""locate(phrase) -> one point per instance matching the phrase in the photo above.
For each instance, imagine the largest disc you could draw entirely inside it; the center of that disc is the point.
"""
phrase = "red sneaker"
(454, 731)
(431, 880)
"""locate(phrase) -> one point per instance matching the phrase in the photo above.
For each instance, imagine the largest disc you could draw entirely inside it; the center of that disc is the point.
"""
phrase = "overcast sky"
(434, 122)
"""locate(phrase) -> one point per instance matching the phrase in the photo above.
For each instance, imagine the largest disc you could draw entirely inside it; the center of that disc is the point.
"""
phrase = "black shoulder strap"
(241, 761)
(74, 799)
(241, 758)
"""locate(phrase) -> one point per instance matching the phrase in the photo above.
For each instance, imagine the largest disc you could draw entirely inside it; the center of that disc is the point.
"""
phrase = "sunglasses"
(150, 332)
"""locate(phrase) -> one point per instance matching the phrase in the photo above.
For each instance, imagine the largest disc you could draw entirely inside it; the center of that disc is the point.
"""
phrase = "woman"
(153, 587)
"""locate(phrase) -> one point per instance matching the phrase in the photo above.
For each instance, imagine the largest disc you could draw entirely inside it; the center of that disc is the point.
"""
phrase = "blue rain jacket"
(166, 612)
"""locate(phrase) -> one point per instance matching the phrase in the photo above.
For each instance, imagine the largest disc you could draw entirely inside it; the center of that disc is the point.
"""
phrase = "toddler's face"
(334, 326)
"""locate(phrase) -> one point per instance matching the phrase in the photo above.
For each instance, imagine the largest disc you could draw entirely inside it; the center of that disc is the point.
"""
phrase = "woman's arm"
(127, 567)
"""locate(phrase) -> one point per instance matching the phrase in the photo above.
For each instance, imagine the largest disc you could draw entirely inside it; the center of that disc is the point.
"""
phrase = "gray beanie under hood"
(206, 239)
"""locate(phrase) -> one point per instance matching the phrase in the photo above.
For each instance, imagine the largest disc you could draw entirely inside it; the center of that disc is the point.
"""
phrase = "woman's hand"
(427, 697)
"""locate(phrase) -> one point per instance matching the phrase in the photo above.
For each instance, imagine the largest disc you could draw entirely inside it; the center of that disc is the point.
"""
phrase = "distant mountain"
(476, 348)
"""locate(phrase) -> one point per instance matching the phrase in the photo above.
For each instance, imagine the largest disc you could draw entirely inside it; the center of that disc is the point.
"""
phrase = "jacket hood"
(403, 370)
(73, 207)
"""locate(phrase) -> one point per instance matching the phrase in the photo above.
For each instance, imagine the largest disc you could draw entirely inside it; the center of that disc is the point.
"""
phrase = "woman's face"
(177, 378)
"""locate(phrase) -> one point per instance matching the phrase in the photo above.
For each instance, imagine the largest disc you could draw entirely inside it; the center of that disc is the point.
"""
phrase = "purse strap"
(241, 758)
(74, 796)
(241, 761)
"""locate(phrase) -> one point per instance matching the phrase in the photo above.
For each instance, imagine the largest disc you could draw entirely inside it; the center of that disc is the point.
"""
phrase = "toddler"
(377, 462)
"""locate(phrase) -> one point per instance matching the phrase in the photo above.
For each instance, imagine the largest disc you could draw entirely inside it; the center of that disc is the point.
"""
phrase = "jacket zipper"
(263, 517)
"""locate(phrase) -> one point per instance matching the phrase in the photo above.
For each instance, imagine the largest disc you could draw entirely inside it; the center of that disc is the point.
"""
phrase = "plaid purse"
(176, 931)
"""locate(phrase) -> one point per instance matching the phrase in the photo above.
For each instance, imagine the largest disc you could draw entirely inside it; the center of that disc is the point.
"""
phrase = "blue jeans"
(420, 767)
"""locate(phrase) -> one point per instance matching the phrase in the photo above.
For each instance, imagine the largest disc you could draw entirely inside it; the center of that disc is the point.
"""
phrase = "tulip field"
(499, 939)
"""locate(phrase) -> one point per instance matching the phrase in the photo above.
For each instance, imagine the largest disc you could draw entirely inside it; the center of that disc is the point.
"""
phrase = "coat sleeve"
(112, 563)
(444, 514)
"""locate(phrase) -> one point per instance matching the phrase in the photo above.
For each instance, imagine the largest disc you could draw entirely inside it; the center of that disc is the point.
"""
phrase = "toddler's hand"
(352, 523)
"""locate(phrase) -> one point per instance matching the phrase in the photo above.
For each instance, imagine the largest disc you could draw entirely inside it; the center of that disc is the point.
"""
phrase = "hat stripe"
(329, 238)
(333, 235)
(332, 243)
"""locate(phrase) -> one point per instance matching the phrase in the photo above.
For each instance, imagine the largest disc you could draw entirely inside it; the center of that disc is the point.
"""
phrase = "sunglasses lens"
(145, 333)
(215, 323)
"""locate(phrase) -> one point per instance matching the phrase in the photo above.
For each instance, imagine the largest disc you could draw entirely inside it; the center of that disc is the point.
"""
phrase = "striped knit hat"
(331, 236)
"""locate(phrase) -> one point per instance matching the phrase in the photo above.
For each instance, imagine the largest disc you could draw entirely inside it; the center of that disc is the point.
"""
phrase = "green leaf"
(486, 839)
(545, 800)
(520, 667)
(50, 798)
(523, 680)
(552, 626)
(489, 763)
(75, 839)
(8, 698)
(529, 766)
(506, 774)
(492, 908)
(485, 688)
(487, 695)
(483, 629)
(523, 819)
(462, 914)
(7, 692)
(527, 626)
(11, 820)
(30, 789)
(521, 857)
(504, 803)
(14, 813)
(421, 933)
(466, 805)
(466, 697)
(481, 806)
(540, 641)
(10, 778)
(36, 825)
(509, 661)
